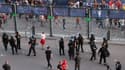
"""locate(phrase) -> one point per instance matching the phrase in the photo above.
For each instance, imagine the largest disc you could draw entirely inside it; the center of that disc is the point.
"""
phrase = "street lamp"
(14, 16)
(50, 16)
(88, 20)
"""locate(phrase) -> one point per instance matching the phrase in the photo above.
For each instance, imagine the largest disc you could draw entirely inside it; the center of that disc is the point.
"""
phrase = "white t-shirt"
(43, 36)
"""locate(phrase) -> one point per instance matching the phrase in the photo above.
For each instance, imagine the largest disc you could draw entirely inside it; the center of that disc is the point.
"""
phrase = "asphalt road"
(38, 62)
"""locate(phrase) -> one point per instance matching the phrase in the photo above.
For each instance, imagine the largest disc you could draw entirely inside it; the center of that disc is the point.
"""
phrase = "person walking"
(92, 38)
(61, 47)
(102, 52)
(13, 45)
(5, 40)
(32, 43)
(6, 66)
(18, 37)
(77, 61)
(48, 53)
(43, 40)
(64, 23)
(78, 23)
(93, 50)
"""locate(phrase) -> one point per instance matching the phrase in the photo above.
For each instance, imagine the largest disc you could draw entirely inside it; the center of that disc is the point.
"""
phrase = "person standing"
(105, 42)
(18, 37)
(6, 66)
(32, 44)
(71, 50)
(48, 53)
(13, 45)
(43, 40)
(5, 40)
(77, 61)
(81, 40)
(61, 46)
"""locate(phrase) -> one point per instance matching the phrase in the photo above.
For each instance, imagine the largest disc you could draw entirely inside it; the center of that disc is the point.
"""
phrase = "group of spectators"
(111, 4)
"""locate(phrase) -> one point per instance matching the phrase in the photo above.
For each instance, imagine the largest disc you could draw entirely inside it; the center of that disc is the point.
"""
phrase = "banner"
(59, 11)
(117, 14)
(40, 10)
(4, 8)
(77, 12)
(102, 14)
(25, 9)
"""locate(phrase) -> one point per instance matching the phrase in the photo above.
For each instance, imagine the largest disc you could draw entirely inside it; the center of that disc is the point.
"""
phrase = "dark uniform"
(48, 53)
(92, 38)
(61, 47)
(77, 62)
(80, 39)
(6, 66)
(5, 40)
(18, 37)
(13, 45)
(118, 65)
(71, 51)
(32, 44)
(93, 50)
(102, 52)
(59, 66)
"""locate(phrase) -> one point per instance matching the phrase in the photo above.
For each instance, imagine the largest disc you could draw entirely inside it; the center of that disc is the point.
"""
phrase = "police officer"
(80, 39)
(18, 37)
(32, 43)
(61, 46)
(118, 65)
(71, 50)
(5, 40)
(93, 50)
(13, 45)
(48, 53)
(77, 62)
(102, 52)
(6, 66)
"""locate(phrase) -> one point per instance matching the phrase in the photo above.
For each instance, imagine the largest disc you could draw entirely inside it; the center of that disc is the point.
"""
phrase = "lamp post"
(88, 20)
(50, 17)
(14, 16)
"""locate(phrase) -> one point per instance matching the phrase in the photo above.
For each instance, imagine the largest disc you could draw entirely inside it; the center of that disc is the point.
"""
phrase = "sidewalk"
(57, 36)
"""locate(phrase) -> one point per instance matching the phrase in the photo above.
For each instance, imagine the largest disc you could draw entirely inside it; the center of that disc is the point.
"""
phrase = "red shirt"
(118, 4)
(111, 2)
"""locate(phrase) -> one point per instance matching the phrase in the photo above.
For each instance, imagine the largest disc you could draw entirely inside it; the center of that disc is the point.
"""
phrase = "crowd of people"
(75, 49)
(75, 43)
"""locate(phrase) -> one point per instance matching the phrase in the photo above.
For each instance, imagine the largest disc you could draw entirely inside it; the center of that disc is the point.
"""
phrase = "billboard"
(102, 14)
(40, 10)
(4, 8)
(24, 9)
(117, 14)
(77, 12)
(60, 11)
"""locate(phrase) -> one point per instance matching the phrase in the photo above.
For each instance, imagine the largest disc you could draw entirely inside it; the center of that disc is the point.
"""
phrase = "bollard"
(108, 35)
